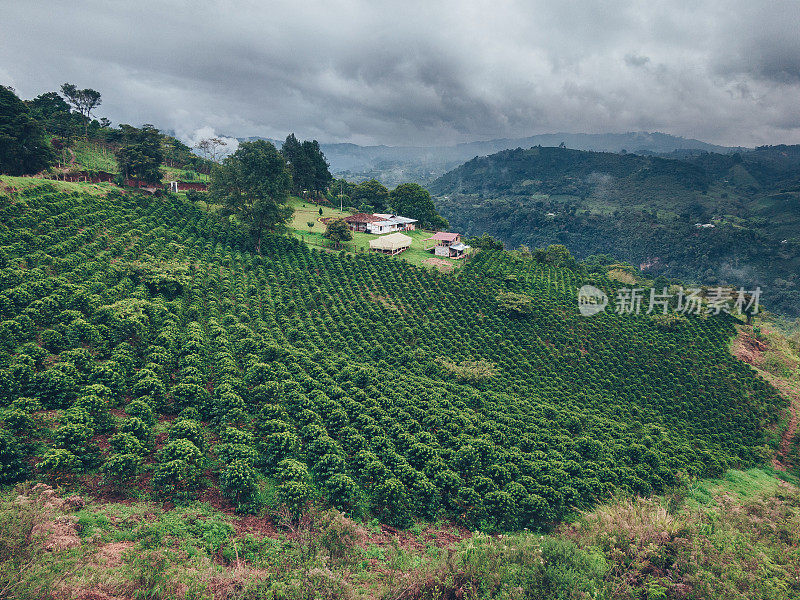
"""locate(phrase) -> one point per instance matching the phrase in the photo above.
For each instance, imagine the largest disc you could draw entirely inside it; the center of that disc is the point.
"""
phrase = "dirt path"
(750, 350)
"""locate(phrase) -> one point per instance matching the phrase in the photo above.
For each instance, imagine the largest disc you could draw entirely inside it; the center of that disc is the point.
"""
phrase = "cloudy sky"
(421, 73)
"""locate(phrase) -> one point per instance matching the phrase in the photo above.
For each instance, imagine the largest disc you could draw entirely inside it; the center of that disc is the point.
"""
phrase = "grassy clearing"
(775, 355)
(305, 212)
(9, 183)
(743, 486)
(174, 174)
(94, 157)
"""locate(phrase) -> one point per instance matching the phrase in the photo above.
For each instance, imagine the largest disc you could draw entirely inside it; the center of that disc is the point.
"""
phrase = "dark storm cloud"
(417, 72)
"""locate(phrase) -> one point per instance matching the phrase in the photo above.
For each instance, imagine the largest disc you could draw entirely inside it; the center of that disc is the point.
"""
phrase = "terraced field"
(141, 342)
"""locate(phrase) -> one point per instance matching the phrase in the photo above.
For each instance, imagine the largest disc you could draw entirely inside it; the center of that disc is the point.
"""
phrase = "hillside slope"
(150, 347)
(644, 209)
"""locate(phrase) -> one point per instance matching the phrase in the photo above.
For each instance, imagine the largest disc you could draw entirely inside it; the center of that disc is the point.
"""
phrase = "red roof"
(445, 236)
(362, 218)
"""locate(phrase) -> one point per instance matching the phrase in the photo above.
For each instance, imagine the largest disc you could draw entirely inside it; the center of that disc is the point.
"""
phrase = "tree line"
(252, 184)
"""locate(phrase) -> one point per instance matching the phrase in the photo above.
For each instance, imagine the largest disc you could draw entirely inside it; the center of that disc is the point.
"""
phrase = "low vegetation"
(735, 537)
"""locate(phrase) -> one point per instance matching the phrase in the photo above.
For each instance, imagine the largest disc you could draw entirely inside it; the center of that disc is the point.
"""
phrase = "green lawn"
(173, 174)
(305, 212)
(741, 485)
(19, 183)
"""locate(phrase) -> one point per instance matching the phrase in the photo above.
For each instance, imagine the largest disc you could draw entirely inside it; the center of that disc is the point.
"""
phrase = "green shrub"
(120, 468)
(12, 465)
(390, 503)
(59, 464)
(188, 430)
(127, 443)
(239, 483)
(143, 410)
(139, 429)
(343, 493)
(176, 478)
(296, 496)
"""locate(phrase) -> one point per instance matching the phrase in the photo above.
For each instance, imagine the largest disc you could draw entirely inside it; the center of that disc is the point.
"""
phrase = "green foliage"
(253, 184)
(127, 443)
(120, 468)
(485, 242)
(373, 193)
(12, 465)
(412, 200)
(142, 410)
(391, 503)
(59, 463)
(23, 149)
(515, 305)
(307, 164)
(239, 483)
(140, 155)
(293, 354)
(637, 208)
(337, 230)
(524, 567)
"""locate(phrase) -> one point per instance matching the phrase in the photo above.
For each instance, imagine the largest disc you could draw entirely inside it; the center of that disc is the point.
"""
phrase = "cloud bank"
(420, 73)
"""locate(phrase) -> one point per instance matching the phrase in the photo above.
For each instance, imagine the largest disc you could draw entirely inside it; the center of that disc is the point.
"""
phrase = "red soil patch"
(111, 555)
(257, 526)
(750, 350)
(441, 538)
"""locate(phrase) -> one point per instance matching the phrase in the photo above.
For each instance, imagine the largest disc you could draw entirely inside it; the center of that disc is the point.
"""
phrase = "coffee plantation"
(142, 342)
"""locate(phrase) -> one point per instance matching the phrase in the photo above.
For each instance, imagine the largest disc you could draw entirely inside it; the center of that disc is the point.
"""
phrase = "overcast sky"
(422, 73)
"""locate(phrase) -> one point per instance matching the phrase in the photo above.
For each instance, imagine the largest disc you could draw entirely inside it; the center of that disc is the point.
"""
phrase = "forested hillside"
(644, 209)
(144, 345)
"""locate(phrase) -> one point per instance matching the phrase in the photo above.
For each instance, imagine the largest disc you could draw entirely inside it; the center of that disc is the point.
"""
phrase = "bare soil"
(751, 350)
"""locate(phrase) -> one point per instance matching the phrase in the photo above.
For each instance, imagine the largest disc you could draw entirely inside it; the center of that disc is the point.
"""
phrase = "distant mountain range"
(422, 164)
(730, 218)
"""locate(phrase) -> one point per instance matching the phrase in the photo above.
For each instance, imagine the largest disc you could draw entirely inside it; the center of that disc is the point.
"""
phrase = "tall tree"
(52, 111)
(84, 101)
(212, 148)
(307, 164)
(319, 176)
(371, 192)
(140, 155)
(412, 200)
(253, 185)
(23, 148)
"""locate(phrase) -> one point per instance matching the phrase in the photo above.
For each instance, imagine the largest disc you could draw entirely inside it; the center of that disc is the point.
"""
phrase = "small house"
(392, 244)
(447, 245)
(443, 238)
(389, 223)
(361, 221)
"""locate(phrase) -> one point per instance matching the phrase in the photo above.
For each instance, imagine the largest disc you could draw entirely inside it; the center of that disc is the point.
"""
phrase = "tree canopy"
(53, 113)
(84, 101)
(413, 200)
(253, 184)
(337, 230)
(141, 154)
(307, 164)
(372, 193)
(23, 148)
